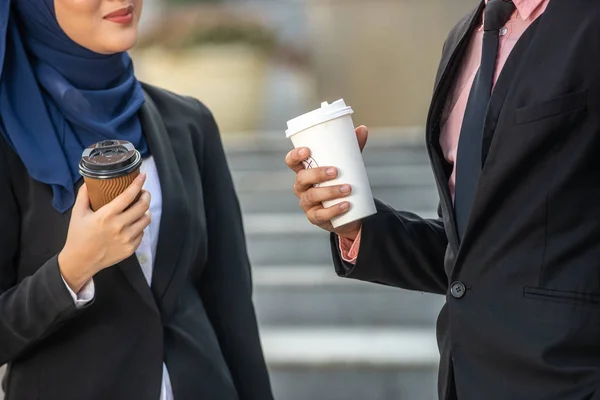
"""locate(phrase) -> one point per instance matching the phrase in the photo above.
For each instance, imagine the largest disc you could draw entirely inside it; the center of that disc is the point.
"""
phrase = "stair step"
(248, 180)
(380, 138)
(354, 384)
(352, 364)
(306, 295)
(274, 160)
(266, 160)
(364, 347)
(283, 239)
(282, 223)
(284, 201)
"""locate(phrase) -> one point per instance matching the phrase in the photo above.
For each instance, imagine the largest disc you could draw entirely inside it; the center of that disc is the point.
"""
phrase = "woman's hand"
(311, 197)
(98, 240)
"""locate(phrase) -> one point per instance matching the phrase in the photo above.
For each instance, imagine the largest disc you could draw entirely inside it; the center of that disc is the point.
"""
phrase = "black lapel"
(133, 272)
(517, 60)
(456, 39)
(503, 86)
(454, 48)
(174, 216)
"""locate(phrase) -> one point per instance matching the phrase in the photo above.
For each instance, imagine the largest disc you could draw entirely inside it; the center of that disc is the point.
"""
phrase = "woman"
(147, 302)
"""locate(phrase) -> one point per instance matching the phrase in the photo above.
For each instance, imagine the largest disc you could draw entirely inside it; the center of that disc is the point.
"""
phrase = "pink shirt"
(526, 12)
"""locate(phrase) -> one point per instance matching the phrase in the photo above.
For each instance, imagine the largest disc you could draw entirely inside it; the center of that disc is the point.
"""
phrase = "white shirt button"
(503, 31)
(143, 259)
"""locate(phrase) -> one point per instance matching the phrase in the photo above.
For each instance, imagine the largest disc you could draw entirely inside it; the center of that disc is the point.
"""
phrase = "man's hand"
(311, 197)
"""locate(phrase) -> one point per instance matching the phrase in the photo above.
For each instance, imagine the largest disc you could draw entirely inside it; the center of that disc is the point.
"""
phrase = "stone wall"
(380, 55)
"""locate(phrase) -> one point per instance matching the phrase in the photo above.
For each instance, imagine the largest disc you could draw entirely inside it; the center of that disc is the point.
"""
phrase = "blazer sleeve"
(226, 284)
(34, 307)
(398, 249)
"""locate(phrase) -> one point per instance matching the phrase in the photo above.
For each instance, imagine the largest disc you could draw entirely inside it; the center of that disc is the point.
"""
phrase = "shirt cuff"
(349, 248)
(85, 295)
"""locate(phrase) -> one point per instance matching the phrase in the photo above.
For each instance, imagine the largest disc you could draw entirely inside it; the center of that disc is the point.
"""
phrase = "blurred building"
(380, 55)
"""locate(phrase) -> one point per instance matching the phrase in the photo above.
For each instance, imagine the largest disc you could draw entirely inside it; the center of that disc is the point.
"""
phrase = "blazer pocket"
(560, 105)
(561, 296)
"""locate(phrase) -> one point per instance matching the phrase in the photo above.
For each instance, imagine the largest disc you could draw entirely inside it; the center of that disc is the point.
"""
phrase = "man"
(513, 139)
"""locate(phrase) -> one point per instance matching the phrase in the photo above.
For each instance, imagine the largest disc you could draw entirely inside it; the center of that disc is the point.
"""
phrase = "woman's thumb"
(82, 202)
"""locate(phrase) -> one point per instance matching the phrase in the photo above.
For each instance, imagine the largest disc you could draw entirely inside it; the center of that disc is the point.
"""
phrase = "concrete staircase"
(328, 338)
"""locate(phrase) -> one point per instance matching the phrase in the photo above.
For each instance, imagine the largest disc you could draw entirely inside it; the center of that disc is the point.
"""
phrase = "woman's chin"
(117, 41)
(119, 45)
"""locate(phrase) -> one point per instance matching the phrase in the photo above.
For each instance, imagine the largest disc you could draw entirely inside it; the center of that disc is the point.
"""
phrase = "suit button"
(458, 290)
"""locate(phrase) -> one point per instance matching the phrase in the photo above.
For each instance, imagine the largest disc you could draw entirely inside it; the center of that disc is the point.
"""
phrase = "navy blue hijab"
(57, 98)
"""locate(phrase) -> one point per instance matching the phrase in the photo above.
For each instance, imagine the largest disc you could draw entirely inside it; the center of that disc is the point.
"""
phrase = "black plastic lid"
(109, 159)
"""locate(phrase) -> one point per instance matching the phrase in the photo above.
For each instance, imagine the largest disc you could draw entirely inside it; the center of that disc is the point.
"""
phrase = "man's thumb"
(362, 133)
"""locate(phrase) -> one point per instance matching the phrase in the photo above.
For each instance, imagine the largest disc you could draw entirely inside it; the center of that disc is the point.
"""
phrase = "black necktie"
(469, 156)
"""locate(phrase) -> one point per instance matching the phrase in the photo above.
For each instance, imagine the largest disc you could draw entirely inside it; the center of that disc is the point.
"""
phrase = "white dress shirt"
(145, 253)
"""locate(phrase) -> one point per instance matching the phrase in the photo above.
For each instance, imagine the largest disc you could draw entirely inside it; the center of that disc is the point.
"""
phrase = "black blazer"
(526, 326)
(198, 315)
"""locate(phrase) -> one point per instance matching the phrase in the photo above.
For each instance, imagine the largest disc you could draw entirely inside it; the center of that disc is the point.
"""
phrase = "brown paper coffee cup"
(108, 168)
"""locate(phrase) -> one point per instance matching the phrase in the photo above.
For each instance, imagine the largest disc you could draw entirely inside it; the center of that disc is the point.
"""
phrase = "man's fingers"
(315, 196)
(307, 178)
(320, 216)
(362, 134)
(294, 158)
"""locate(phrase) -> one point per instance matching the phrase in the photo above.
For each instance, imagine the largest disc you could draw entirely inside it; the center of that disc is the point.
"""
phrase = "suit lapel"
(453, 46)
(175, 209)
(450, 63)
(133, 272)
(505, 84)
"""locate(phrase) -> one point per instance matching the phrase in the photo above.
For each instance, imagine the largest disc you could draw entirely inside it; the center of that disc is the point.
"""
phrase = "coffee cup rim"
(327, 112)
(111, 173)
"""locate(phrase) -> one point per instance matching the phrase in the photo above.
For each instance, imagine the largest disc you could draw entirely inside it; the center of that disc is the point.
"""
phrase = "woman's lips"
(121, 16)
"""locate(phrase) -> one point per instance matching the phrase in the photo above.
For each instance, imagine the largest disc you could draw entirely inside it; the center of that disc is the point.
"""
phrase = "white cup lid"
(327, 112)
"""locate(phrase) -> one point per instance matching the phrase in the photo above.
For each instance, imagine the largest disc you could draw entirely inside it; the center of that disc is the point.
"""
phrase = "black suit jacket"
(198, 315)
(528, 325)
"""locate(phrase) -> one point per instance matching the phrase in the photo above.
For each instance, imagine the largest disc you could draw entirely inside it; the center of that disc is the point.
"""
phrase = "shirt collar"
(526, 8)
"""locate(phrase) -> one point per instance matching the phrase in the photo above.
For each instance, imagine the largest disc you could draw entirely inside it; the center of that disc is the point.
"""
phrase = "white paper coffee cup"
(329, 134)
